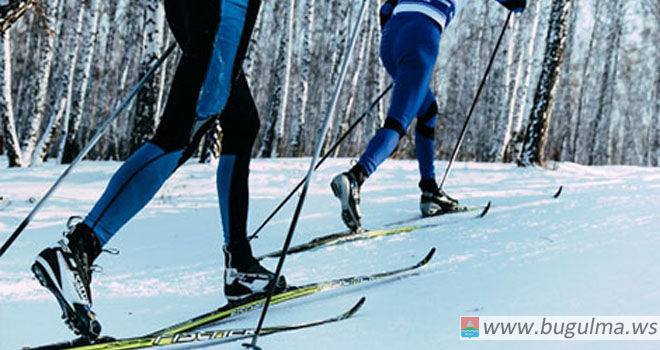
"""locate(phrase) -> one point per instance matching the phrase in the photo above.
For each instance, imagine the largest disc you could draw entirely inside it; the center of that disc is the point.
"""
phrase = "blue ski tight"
(409, 49)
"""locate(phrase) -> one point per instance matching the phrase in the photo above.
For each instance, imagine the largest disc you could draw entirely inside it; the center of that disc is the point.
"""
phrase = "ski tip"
(428, 257)
(558, 193)
(355, 308)
(486, 210)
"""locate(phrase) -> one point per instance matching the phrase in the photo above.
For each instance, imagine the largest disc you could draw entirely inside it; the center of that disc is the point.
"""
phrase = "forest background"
(65, 65)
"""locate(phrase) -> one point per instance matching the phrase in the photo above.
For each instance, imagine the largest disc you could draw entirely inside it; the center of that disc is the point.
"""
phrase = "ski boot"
(435, 201)
(65, 269)
(245, 278)
(346, 187)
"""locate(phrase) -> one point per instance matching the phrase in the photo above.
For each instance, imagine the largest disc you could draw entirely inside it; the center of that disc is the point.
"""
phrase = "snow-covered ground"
(593, 251)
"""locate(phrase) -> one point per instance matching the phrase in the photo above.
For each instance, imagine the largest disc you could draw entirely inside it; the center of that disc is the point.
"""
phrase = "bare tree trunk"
(147, 100)
(278, 147)
(269, 141)
(353, 88)
(303, 87)
(338, 46)
(502, 154)
(603, 119)
(46, 54)
(168, 38)
(49, 134)
(586, 78)
(567, 83)
(536, 134)
(517, 136)
(6, 104)
(67, 80)
(375, 84)
(81, 82)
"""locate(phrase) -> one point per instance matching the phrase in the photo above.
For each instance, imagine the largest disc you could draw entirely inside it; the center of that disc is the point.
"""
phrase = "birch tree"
(49, 133)
(303, 85)
(147, 100)
(66, 79)
(38, 150)
(279, 89)
(46, 54)
(338, 43)
(81, 81)
(603, 118)
(288, 54)
(536, 133)
(353, 95)
(6, 104)
(516, 138)
(587, 74)
(606, 109)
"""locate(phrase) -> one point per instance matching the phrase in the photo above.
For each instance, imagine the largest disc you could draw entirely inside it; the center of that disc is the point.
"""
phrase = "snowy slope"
(593, 251)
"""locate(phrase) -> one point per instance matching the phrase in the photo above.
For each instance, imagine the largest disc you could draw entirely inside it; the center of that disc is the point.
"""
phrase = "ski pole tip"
(250, 346)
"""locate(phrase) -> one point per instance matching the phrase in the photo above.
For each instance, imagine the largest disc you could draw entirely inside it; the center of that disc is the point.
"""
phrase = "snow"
(590, 252)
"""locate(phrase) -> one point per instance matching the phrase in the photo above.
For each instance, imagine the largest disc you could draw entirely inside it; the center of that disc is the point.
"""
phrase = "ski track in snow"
(589, 252)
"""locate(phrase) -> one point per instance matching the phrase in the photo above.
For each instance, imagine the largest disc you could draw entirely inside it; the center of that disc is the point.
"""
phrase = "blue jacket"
(441, 11)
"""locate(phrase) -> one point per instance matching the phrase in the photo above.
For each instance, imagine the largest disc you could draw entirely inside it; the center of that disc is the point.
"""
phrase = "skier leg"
(143, 174)
(433, 201)
(425, 136)
(195, 26)
(65, 268)
(409, 57)
(240, 125)
(244, 276)
(414, 56)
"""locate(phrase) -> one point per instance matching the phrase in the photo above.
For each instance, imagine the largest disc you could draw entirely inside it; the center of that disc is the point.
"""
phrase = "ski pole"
(474, 104)
(310, 171)
(88, 147)
(323, 159)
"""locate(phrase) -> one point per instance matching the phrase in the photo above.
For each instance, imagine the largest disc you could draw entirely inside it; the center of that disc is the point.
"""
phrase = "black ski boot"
(65, 269)
(346, 187)
(245, 278)
(435, 201)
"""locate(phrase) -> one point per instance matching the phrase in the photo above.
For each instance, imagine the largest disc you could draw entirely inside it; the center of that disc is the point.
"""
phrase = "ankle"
(359, 173)
(84, 241)
(428, 185)
(238, 255)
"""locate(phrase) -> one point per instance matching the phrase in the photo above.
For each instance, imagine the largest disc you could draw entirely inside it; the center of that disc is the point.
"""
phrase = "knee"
(395, 125)
(238, 136)
(170, 141)
(426, 122)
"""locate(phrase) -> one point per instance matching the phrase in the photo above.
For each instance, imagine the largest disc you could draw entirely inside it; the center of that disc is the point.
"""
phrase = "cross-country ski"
(200, 338)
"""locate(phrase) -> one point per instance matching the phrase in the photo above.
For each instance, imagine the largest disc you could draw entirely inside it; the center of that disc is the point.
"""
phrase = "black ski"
(201, 338)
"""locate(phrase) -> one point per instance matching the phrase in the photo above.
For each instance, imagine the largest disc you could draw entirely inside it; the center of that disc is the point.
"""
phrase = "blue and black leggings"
(214, 36)
(409, 49)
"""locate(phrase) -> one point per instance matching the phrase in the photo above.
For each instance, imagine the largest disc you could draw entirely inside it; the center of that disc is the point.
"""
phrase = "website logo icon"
(469, 327)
